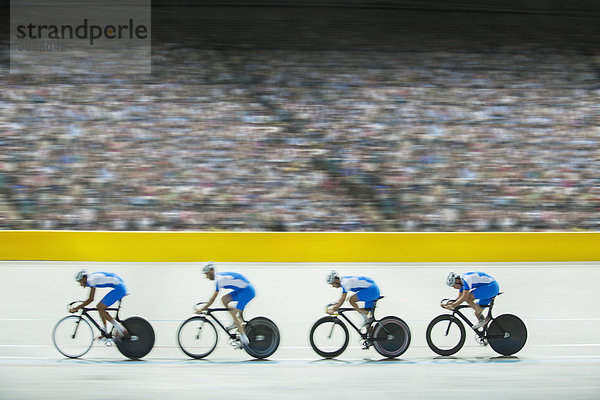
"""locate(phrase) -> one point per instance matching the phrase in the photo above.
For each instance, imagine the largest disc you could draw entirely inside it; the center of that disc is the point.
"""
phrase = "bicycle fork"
(199, 330)
(76, 327)
(331, 330)
(448, 328)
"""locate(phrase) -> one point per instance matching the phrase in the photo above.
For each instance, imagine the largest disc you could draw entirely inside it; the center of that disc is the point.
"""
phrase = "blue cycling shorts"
(485, 293)
(114, 295)
(243, 296)
(368, 295)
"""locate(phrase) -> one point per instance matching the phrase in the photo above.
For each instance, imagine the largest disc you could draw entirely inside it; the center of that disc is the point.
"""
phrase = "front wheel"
(140, 338)
(264, 337)
(445, 335)
(391, 337)
(197, 337)
(507, 334)
(73, 336)
(329, 337)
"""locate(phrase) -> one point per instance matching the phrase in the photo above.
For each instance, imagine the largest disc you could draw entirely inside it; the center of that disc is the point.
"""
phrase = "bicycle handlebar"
(197, 305)
(328, 306)
(73, 302)
(449, 301)
(445, 302)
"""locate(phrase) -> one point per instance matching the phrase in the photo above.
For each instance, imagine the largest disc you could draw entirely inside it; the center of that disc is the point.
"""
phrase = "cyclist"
(242, 293)
(365, 290)
(477, 289)
(101, 280)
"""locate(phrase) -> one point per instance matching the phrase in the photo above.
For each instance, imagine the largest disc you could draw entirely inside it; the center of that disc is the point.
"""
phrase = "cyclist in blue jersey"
(103, 280)
(477, 289)
(242, 292)
(365, 290)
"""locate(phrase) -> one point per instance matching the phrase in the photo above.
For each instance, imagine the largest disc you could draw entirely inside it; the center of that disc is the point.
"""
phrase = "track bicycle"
(329, 336)
(197, 336)
(506, 334)
(73, 335)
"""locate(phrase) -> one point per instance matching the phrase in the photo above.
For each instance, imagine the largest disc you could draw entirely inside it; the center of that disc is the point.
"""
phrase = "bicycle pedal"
(480, 341)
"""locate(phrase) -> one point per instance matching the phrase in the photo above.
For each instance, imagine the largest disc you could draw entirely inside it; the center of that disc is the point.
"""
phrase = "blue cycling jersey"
(104, 279)
(472, 280)
(230, 280)
(355, 283)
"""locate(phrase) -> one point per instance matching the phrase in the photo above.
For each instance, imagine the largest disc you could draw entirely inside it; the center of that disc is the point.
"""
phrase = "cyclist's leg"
(368, 295)
(483, 295)
(242, 297)
(234, 296)
(354, 303)
(471, 302)
(111, 298)
(104, 316)
(226, 300)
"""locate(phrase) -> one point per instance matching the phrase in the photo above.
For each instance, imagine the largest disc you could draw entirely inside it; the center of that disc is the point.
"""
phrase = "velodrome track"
(556, 301)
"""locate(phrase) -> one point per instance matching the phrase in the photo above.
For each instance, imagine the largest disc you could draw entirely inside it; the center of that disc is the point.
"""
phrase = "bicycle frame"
(364, 336)
(209, 313)
(481, 333)
(85, 313)
(341, 312)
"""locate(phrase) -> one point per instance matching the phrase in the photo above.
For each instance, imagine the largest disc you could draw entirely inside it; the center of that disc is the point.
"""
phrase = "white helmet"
(80, 275)
(331, 276)
(207, 267)
(451, 278)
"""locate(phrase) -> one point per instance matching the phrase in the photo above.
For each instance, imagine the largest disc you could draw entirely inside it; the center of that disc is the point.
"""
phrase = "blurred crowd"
(310, 140)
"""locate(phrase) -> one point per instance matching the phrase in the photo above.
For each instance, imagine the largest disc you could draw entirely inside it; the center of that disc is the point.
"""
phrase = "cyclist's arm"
(339, 303)
(88, 301)
(209, 302)
(460, 299)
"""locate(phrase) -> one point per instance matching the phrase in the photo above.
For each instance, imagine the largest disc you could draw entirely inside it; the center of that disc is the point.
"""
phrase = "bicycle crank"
(481, 341)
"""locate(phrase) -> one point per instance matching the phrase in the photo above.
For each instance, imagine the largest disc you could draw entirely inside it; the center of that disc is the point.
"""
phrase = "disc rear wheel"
(263, 335)
(507, 334)
(139, 340)
(391, 337)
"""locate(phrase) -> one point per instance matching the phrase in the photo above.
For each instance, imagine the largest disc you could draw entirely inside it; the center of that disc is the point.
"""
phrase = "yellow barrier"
(298, 247)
